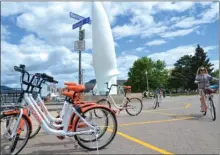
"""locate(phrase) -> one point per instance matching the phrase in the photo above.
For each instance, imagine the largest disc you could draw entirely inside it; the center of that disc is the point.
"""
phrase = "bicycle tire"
(17, 138)
(107, 104)
(114, 128)
(33, 134)
(140, 107)
(103, 132)
(213, 108)
(155, 103)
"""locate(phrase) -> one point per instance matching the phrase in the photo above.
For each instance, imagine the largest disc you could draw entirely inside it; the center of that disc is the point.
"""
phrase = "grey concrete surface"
(177, 126)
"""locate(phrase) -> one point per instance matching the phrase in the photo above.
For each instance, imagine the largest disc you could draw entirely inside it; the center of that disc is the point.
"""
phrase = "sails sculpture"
(104, 58)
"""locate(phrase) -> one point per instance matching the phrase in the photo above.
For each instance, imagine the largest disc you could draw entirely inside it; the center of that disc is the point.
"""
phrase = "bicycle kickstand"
(75, 143)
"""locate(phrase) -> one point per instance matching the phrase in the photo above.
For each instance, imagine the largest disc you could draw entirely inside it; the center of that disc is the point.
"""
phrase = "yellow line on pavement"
(143, 143)
(188, 105)
(163, 109)
(163, 113)
(156, 121)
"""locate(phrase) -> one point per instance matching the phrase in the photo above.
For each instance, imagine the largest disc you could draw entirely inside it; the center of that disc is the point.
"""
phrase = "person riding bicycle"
(157, 92)
(203, 79)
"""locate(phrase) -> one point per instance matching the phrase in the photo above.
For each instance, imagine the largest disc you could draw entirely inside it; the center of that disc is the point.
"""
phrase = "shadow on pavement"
(68, 151)
(199, 117)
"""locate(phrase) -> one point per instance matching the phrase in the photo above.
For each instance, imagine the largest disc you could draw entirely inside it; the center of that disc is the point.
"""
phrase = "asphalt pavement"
(176, 127)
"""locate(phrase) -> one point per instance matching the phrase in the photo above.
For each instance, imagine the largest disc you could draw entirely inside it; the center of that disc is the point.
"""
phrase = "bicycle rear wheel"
(107, 131)
(212, 109)
(155, 102)
(11, 145)
(102, 102)
(132, 103)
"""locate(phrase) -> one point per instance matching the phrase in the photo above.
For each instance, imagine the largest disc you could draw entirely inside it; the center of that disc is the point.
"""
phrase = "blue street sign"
(81, 23)
(77, 17)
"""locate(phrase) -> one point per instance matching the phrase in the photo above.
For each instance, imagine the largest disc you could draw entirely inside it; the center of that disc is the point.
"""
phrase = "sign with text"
(79, 45)
(81, 23)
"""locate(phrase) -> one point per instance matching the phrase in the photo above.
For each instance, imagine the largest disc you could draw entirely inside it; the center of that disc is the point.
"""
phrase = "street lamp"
(147, 81)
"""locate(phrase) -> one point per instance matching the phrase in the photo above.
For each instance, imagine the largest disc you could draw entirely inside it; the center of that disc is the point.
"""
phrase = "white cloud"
(211, 14)
(125, 31)
(172, 55)
(175, 6)
(178, 33)
(156, 42)
(139, 49)
(125, 61)
(216, 64)
(40, 56)
(4, 32)
(209, 48)
(116, 44)
(187, 22)
(51, 22)
(208, 16)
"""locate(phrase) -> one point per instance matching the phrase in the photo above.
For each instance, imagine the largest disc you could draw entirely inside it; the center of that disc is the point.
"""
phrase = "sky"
(40, 35)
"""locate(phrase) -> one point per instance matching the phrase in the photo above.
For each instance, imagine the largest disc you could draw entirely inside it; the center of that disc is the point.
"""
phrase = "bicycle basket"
(214, 86)
(9, 97)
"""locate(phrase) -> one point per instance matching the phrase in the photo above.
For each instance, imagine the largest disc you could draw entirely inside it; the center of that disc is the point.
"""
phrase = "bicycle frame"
(123, 102)
(50, 119)
(38, 114)
(208, 96)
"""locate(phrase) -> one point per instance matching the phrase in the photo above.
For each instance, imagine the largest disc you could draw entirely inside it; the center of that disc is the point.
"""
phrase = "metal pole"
(147, 84)
(82, 77)
(79, 59)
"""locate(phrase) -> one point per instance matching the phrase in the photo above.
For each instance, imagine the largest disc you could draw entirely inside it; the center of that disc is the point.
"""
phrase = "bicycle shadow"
(68, 151)
(197, 117)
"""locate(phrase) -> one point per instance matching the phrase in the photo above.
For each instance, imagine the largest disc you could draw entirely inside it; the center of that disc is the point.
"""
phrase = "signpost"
(80, 44)
(77, 17)
(81, 23)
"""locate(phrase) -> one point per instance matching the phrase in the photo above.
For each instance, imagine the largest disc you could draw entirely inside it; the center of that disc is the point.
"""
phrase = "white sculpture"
(104, 58)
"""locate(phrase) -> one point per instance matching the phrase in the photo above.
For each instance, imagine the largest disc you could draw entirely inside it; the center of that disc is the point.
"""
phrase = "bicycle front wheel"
(212, 109)
(15, 144)
(35, 127)
(134, 106)
(107, 125)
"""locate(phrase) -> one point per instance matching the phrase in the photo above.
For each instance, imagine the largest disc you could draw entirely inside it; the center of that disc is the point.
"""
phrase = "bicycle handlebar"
(111, 85)
(41, 78)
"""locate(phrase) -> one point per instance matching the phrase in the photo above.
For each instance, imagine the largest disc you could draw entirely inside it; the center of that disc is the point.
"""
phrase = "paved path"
(177, 127)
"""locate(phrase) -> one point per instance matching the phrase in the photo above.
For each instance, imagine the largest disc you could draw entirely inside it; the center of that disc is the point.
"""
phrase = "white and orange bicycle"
(76, 120)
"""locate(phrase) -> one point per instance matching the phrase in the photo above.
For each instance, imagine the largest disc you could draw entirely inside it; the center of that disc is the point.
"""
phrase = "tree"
(156, 73)
(186, 68)
(201, 59)
(215, 73)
